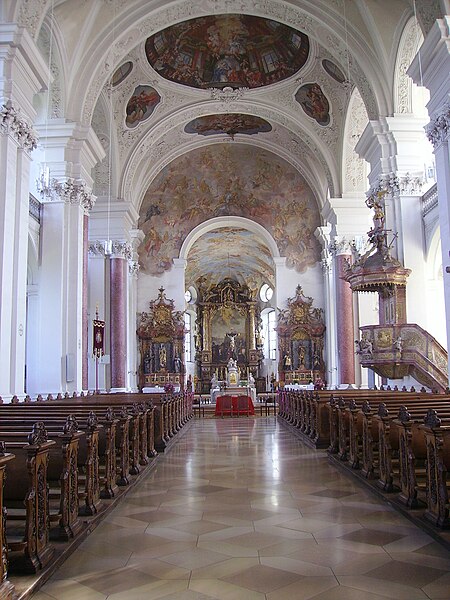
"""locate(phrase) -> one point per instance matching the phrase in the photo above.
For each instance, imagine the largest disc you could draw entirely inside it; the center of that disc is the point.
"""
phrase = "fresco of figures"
(221, 251)
(228, 180)
(231, 124)
(227, 50)
(314, 103)
(141, 105)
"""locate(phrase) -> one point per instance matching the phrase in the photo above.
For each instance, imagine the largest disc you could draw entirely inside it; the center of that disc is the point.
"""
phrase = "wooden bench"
(437, 441)
(7, 591)
(27, 530)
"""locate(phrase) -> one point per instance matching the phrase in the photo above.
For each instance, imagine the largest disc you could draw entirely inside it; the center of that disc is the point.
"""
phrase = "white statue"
(251, 379)
(232, 364)
(214, 382)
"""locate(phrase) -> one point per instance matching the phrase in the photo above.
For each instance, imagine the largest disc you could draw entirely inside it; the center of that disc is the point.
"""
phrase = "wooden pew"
(7, 591)
(62, 472)
(27, 532)
(437, 441)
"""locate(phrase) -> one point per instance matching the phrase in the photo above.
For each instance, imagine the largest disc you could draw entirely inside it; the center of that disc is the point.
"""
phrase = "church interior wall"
(248, 173)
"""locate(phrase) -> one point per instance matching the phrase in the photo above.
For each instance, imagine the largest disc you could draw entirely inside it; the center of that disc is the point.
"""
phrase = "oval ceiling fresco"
(227, 50)
(231, 124)
(224, 180)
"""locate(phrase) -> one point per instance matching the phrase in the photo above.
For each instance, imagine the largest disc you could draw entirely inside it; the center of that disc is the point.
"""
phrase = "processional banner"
(99, 332)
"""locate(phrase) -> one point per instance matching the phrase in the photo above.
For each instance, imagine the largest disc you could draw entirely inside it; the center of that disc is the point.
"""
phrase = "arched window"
(187, 337)
(270, 335)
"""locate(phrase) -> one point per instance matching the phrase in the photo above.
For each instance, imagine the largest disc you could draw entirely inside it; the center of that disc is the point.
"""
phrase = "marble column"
(344, 315)
(118, 273)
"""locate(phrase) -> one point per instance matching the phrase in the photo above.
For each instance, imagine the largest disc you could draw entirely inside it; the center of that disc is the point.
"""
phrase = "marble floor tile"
(242, 510)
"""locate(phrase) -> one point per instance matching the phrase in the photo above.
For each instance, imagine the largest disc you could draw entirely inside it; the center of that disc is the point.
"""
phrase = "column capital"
(410, 185)
(120, 249)
(12, 123)
(341, 246)
(70, 191)
(438, 129)
(133, 268)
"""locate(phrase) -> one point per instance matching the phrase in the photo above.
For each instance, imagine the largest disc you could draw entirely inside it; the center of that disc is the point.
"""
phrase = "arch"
(410, 42)
(160, 149)
(354, 169)
(219, 222)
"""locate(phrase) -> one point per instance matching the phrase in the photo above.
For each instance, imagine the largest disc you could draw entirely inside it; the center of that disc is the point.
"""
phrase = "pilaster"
(431, 68)
(22, 75)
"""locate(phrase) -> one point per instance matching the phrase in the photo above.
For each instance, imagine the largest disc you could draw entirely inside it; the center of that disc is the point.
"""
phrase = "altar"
(233, 391)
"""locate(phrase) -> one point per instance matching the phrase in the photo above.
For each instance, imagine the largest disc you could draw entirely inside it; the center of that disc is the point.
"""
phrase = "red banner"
(99, 334)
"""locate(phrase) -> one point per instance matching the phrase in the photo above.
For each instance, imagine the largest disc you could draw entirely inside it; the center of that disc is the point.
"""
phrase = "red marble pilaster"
(118, 280)
(344, 324)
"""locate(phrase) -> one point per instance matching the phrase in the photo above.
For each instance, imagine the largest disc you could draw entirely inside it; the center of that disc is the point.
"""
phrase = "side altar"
(301, 331)
(161, 343)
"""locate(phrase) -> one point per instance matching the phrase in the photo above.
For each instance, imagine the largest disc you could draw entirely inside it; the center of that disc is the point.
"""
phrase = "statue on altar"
(232, 373)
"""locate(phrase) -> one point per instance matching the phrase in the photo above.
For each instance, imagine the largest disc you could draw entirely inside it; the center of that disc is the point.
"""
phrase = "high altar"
(226, 329)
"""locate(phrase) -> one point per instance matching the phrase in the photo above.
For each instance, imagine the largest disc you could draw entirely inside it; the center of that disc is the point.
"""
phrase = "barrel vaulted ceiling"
(158, 80)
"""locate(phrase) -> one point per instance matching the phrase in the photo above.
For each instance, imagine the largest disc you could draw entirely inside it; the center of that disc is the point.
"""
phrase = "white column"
(133, 358)
(61, 305)
(430, 68)
(442, 155)
(331, 351)
(22, 75)
(177, 289)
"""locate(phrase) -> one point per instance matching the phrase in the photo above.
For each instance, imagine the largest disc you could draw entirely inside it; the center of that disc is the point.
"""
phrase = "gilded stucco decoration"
(228, 180)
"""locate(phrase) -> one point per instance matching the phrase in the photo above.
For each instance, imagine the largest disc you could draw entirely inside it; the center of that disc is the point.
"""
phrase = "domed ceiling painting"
(227, 50)
(218, 254)
(228, 180)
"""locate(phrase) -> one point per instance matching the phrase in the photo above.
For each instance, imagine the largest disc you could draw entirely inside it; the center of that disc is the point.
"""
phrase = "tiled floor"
(241, 510)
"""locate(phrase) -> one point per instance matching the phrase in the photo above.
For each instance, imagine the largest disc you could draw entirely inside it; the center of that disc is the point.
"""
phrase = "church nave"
(240, 509)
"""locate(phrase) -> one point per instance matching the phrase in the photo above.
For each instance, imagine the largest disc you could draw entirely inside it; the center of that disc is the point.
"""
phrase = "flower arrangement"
(319, 384)
(169, 388)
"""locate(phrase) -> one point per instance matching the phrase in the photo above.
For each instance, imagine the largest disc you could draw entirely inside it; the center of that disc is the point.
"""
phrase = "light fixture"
(45, 185)
(347, 84)
(108, 244)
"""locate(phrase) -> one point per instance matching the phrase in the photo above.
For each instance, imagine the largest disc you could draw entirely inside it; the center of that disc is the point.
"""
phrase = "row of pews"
(399, 441)
(65, 460)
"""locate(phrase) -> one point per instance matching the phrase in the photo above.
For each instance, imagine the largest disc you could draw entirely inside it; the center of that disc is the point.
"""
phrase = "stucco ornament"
(11, 123)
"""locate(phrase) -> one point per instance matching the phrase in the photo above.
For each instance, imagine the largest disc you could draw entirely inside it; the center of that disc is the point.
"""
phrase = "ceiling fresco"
(314, 103)
(230, 252)
(228, 180)
(227, 50)
(141, 105)
(231, 124)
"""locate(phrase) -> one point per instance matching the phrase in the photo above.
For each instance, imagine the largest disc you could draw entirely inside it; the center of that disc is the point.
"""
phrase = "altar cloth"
(234, 404)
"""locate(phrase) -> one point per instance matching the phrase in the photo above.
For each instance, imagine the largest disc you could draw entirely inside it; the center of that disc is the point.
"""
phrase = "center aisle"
(239, 509)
